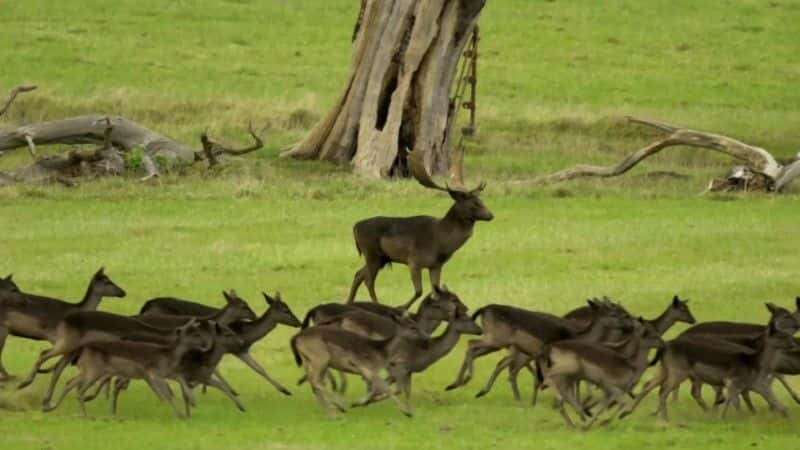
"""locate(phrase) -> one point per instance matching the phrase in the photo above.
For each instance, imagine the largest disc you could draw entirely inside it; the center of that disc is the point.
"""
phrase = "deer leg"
(748, 401)
(475, 349)
(4, 375)
(224, 381)
(357, 280)
(786, 385)
(501, 366)
(104, 381)
(57, 370)
(247, 358)
(162, 387)
(216, 384)
(370, 275)
(697, 394)
(315, 377)
(187, 395)
(765, 390)
(119, 385)
(648, 387)
(518, 361)
(82, 392)
(435, 274)
(71, 384)
(416, 280)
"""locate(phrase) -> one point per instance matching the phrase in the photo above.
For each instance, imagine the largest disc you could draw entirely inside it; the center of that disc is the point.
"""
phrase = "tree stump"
(397, 97)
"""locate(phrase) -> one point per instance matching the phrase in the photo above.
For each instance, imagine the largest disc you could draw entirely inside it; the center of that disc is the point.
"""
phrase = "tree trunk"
(397, 97)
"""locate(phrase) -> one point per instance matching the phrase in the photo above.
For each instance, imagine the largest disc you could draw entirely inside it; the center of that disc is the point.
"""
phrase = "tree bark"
(756, 159)
(397, 97)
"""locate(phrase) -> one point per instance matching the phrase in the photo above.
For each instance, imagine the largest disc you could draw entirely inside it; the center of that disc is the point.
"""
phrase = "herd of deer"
(600, 345)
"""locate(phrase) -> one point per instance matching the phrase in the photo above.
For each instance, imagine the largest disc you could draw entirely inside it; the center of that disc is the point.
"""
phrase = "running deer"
(712, 360)
(80, 328)
(415, 355)
(38, 317)
(318, 349)
(746, 334)
(420, 242)
(433, 310)
(152, 363)
(528, 331)
(615, 372)
(197, 366)
(676, 311)
(278, 312)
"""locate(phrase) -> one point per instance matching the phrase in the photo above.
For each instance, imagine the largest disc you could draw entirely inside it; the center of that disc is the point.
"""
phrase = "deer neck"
(224, 316)
(663, 322)
(91, 299)
(424, 321)
(259, 328)
(437, 348)
(593, 331)
(455, 225)
(766, 356)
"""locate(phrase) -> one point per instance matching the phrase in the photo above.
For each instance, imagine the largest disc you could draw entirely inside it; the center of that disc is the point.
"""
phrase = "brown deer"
(709, 359)
(504, 326)
(615, 372)
(80, 328)
(278, 312)
(420, 242)
(320, 348)
(433, 310)
(38, 317)
(676, 311)
(136, 360)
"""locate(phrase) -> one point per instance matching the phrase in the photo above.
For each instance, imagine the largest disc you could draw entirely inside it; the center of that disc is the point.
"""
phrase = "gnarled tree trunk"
(397, 97)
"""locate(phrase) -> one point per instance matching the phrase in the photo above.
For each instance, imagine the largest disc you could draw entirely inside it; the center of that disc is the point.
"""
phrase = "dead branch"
(757, 159)
(13, 95)
(212, 149)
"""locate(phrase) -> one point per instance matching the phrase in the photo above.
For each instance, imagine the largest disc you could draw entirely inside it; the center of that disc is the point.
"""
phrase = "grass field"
(556, 78)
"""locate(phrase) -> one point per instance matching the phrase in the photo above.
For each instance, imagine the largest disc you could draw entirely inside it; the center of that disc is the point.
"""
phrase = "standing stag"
(420, 242)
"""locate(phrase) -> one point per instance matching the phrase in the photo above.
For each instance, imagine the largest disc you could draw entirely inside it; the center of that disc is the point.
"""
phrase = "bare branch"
(789, 173)
(756, 158)
(16, 91)
(212, 149)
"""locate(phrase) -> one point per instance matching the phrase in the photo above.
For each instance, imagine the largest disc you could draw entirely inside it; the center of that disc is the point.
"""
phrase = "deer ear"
(227, 296)
(676, 300)
(269, 299)
(593, 304)
(8, 278)
(773, 309)
(796, 300)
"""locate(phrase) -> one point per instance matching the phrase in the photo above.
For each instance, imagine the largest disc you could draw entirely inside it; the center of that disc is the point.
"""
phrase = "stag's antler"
(416, 164)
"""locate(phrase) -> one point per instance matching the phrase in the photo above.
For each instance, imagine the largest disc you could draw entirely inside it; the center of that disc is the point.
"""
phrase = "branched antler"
(14, 93)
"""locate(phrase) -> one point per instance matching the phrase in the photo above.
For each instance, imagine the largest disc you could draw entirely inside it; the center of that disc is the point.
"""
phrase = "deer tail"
(478, 313)
(307, 319)
(297, 359)
(657, 357)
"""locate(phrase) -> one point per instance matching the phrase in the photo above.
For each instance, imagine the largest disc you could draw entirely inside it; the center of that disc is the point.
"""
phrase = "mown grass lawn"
(556, 78)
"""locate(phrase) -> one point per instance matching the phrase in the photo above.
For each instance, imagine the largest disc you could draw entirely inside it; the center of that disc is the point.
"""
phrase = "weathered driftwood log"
(405, 58)
(114, 135)
(756, 159)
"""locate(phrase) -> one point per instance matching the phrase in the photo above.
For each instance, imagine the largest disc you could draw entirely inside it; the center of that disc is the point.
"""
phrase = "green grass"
(555, 79)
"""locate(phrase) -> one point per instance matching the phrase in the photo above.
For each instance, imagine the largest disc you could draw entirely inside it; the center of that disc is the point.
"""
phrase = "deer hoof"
(451, 387)
(285, 391)
(481, 394)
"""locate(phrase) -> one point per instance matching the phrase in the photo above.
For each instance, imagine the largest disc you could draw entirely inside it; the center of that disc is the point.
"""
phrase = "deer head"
(103, 285)
(468, 206)
(282, 313)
